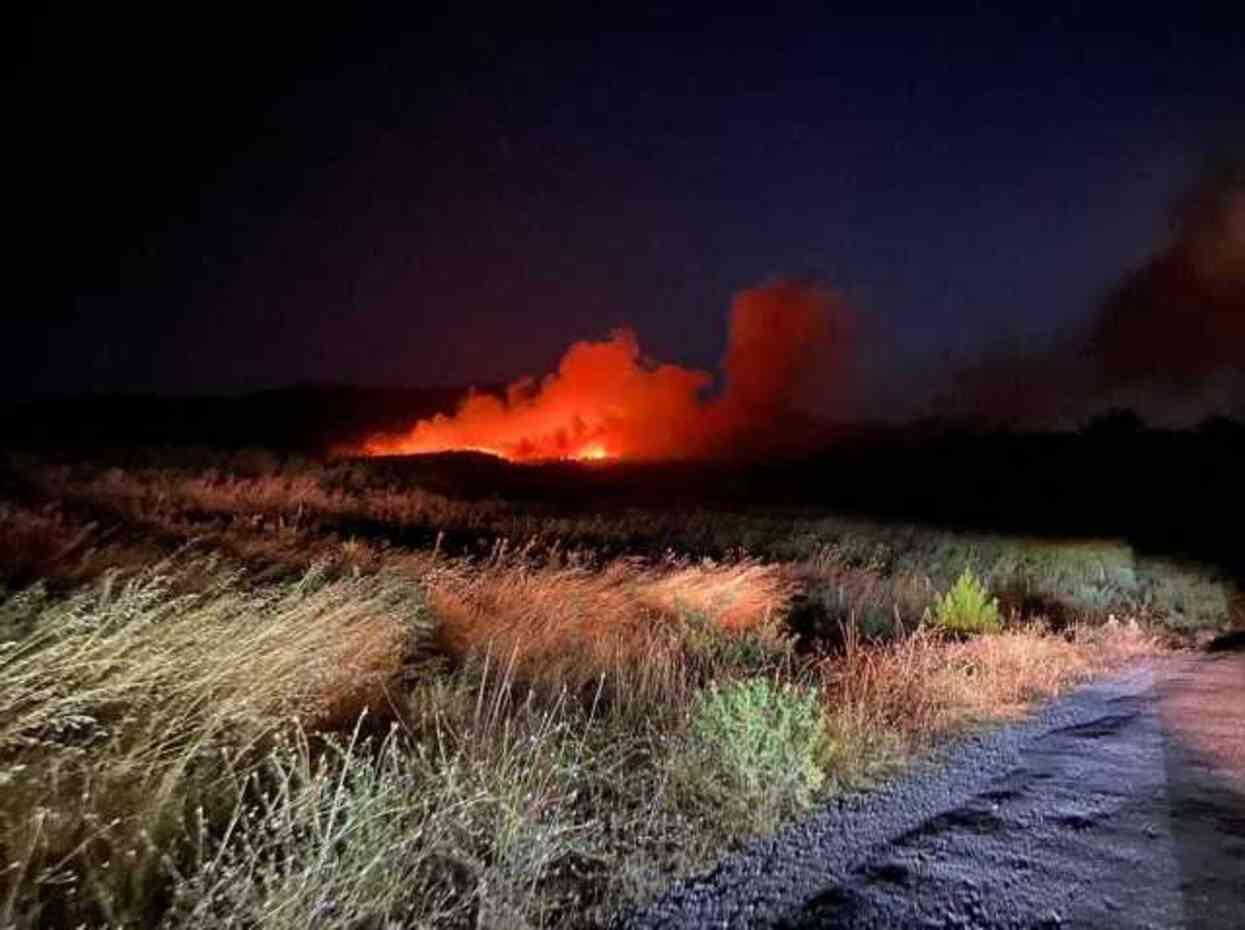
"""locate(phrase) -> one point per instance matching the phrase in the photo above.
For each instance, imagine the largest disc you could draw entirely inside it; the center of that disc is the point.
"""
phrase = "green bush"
(762, 742)
(1185, 600)
(877, 623)
(967, 607)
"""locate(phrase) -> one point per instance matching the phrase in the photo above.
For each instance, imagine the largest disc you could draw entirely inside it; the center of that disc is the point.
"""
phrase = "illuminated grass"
(216, 710)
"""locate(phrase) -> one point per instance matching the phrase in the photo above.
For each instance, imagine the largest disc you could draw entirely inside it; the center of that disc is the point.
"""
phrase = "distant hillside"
(1168, 491)
(303, 418)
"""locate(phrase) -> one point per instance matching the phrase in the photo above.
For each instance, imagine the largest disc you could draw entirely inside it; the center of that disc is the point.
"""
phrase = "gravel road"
(1121, 805)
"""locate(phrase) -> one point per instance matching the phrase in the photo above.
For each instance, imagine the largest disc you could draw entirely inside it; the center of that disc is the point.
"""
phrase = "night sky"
(255, 199)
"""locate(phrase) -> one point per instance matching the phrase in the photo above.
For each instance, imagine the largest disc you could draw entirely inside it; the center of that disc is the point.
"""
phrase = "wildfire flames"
(607, 402)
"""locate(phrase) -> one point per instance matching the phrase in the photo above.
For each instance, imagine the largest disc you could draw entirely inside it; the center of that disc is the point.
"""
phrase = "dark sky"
(223, 200)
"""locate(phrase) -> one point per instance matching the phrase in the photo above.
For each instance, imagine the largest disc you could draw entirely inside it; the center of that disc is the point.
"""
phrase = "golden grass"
(137, 714)
(739, 595)
(166, 726)
(573, 623)
(271, 502)
(886, 703)
(126, 703)
(867, 569)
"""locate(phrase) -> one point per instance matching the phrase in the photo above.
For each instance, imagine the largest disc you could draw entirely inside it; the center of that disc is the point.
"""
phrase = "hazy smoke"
(789, 345)
(787, 369)
(1179, 320)
(787, 353)
(1168, 341)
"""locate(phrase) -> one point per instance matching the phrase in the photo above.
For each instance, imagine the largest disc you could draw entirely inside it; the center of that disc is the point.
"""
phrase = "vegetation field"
(253, 691)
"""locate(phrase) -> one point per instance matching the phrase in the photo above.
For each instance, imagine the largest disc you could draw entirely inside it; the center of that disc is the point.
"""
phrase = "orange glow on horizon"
(607, 402)
(593, 452)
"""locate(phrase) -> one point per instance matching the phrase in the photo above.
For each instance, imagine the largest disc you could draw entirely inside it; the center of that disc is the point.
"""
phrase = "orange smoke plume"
(606, 401)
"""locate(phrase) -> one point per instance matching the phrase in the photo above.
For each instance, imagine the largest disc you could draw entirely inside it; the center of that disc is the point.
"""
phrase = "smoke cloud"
(1168, 341)
(787, 354)
(1180, 319)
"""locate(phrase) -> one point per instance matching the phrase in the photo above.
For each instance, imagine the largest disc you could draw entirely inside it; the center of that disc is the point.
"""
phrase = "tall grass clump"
(967, 608)
(332, 837)
(651, 630)
(761, 742)
(131, 707)
(471, 823)
(886, 703)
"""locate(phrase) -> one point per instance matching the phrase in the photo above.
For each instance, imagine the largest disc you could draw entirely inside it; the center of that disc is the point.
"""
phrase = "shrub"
(1184, 600)
(877, 623)
(341, 835)
(710, 650)
(967, 607)
(762, 742)
(330, 837)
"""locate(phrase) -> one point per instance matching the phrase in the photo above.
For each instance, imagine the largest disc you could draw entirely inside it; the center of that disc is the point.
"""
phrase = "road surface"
(1122, 805)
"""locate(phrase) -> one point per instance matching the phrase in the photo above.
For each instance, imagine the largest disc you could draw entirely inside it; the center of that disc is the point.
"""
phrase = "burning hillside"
(786, 349)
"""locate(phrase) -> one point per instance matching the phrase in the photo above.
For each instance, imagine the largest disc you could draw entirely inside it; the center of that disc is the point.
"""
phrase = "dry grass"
(180, 738)
(272, 502)
(158, 758)
(159, 762)
(853, 567)
(627, 623)
(122, 704)
(46, 545)
(740, 595)
(888, 703)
